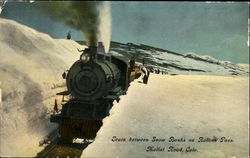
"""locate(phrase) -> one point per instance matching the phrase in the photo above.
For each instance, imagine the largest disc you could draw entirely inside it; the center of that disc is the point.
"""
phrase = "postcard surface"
(124, 79)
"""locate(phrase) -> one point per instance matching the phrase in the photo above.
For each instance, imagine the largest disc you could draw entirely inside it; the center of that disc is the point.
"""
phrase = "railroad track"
(58, 148)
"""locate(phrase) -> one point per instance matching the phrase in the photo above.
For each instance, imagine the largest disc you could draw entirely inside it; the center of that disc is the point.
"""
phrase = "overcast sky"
(215, 29)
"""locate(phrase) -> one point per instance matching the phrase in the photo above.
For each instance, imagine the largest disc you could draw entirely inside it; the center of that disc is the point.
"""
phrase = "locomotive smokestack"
(100, 47)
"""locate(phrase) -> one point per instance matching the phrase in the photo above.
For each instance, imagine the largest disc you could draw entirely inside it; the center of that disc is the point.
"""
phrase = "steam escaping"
(92, 18)
(105, 26)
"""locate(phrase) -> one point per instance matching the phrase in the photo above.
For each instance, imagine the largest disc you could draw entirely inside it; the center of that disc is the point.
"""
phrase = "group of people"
(144, 70)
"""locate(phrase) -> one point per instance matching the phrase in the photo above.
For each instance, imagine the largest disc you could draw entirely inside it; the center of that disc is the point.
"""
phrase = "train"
(93, 83)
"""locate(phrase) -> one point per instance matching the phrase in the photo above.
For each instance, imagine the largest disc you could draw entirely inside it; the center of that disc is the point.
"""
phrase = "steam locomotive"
(93, 83)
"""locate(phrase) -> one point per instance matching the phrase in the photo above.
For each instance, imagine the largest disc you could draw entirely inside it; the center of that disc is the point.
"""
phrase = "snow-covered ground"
(182, 106)
(31, 64)
(189, 106)
(174, 63)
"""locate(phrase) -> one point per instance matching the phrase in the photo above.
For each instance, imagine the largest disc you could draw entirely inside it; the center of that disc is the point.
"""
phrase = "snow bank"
(182, 106)
(31, 64)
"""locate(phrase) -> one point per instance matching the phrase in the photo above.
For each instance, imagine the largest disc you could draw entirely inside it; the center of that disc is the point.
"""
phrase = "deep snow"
(182, 106)
(31, 64)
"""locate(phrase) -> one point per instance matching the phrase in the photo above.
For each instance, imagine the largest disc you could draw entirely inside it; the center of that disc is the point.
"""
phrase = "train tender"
(93, 83)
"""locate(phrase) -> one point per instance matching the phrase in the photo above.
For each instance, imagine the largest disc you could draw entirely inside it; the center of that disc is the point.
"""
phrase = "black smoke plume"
(84, 16)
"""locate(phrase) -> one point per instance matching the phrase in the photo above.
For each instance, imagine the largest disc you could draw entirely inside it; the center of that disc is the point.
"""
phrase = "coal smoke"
(84, 16)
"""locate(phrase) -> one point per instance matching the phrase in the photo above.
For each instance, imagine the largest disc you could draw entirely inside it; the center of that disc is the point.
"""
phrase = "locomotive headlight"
(85, 58)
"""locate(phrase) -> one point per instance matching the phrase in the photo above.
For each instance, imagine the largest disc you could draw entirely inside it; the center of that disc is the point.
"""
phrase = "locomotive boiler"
(93, 83)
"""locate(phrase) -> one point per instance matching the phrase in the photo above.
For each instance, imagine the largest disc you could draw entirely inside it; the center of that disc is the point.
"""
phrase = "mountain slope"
(31, 64)
(174, 63)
